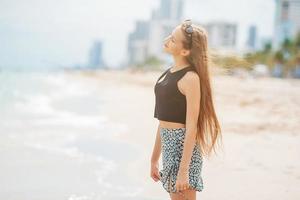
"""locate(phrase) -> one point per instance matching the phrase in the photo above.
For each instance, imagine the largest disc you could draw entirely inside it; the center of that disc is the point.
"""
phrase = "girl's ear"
(185, 52)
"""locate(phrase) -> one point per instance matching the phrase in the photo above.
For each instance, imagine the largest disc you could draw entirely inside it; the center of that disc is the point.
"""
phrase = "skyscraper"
(147, 38)
(137, 42)
(222, 35)
(252, 37)
(95, 56)
(171, 9)
(287, 20)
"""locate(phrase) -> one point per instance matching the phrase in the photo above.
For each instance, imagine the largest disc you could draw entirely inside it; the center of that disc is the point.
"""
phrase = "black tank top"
(170, 103)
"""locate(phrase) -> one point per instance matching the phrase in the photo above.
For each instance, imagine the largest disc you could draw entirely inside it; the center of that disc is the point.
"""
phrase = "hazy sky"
(43, 33)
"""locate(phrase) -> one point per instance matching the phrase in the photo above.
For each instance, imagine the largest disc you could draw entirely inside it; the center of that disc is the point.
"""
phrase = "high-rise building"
(95, 56)
(287, 20)
(137, 42)
(147, 38)
(252, 38)
(221, 35)
(171, 9)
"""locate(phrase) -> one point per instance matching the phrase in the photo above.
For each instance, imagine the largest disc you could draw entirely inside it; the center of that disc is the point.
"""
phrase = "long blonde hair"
(208, 127)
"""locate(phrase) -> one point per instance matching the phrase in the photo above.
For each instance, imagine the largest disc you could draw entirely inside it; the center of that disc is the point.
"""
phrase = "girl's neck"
(179, 63)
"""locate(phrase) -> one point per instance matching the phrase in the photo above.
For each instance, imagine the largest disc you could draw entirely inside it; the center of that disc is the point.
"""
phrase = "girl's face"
(173, 43)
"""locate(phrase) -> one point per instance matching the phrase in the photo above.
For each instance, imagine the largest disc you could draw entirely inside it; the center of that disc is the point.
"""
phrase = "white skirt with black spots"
(172, 140)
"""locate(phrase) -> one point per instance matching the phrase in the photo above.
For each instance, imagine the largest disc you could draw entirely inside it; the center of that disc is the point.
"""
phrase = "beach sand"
(260, 121)
(90, 135)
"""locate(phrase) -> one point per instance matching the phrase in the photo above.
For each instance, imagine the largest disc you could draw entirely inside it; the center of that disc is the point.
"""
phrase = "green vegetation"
(230, 62)
(288, 54)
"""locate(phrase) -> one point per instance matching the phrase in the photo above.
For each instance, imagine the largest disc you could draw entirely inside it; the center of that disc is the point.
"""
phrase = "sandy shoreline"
(260, 123)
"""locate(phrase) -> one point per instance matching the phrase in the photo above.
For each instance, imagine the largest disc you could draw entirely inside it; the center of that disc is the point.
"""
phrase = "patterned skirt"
(172, 140)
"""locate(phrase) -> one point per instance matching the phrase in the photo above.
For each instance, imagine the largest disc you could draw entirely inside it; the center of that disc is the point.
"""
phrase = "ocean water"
(56, 142)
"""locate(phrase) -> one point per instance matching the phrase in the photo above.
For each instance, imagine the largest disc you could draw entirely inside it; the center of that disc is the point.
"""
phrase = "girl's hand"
(154, 172)
(182, 181)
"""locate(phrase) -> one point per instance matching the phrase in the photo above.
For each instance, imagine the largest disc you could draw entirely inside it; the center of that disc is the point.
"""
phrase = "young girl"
(188, 126)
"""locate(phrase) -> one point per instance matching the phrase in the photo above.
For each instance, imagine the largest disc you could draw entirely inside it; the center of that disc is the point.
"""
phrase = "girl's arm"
(191, 89)
(157, 147)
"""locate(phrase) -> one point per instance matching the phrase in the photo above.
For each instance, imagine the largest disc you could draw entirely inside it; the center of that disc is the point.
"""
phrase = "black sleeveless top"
(170, 103)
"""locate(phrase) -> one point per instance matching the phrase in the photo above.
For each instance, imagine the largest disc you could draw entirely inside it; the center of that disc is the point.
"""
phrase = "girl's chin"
(165, 49)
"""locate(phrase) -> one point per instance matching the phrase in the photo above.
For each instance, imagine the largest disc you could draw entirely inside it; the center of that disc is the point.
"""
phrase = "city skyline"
(32, 32)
